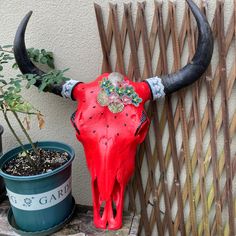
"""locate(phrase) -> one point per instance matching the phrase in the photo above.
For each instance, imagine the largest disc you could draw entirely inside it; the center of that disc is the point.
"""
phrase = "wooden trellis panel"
(199, 198)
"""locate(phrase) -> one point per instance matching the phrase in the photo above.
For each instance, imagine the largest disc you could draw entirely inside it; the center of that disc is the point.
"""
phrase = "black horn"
(192, 71)
(27, 67)
(20, 52)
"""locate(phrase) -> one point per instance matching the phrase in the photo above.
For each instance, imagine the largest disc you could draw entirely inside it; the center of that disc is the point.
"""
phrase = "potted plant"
(37, 175)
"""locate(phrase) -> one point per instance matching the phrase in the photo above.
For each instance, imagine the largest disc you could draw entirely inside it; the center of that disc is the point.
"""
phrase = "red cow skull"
(110, 120)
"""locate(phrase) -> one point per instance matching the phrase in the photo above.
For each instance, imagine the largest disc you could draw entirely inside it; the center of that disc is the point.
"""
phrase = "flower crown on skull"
(116, 93)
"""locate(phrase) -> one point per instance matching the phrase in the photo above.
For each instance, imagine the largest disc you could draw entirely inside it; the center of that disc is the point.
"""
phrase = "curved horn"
(20, 52)
(193, 70)
(27, 67)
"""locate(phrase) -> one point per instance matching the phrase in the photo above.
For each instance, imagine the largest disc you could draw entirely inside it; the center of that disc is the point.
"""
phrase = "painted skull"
(110, 120)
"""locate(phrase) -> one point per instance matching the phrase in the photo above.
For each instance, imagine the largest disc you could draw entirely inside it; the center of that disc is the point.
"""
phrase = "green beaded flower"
(105, 83)
(120, 91)
(129, 90)
(136, 99)
(107, 86)
(109, 90)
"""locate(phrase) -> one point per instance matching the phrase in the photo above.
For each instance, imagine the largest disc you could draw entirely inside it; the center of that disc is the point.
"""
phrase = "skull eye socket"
(73, 123)
(143, 127)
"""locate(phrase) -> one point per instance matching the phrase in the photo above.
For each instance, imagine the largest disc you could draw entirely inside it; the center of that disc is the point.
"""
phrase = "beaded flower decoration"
(116, 93)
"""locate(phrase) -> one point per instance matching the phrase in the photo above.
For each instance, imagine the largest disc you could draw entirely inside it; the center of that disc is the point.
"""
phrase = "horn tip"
(30, 13)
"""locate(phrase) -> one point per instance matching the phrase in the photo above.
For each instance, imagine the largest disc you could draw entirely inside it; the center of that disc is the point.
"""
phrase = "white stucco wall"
(69, 29)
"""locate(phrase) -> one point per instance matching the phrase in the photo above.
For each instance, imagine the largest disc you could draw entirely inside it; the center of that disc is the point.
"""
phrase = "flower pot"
(44, 201)
(2, 186)
(2, 190)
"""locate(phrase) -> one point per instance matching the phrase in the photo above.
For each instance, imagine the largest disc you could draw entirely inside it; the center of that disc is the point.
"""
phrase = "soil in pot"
(41, 162)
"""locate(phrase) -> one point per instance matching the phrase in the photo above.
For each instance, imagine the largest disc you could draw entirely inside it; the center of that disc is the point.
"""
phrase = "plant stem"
(3, 50)
(23, 112)
(13, 131)
(22, 127)
(25, 132)
(19, 141)
(10, 126)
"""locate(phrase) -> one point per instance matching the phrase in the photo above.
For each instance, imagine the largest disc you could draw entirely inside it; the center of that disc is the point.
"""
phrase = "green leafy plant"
(11, 99)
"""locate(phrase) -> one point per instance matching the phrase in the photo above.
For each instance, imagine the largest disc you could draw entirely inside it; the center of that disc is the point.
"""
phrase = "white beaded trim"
(67, 88)
(157, 87)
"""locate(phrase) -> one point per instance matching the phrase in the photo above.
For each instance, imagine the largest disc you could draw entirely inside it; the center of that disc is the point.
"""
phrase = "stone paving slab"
(80, 225)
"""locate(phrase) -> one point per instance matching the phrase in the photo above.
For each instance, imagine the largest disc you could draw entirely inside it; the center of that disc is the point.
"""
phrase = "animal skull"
(110, 120)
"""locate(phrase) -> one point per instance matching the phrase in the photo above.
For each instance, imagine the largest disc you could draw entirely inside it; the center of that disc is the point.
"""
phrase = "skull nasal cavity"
(105, 141)
(101, 210)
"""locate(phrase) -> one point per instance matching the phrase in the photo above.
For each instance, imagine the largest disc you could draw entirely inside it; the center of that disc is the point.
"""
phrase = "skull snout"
(106, 142)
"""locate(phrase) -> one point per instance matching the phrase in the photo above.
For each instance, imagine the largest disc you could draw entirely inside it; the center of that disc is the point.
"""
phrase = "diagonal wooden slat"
(216, 175)
(104, 42)
(134, 36)
(170, 123)
(184, 127)
(198, 130)
(225, 114)
(117, 37)
(149, 73)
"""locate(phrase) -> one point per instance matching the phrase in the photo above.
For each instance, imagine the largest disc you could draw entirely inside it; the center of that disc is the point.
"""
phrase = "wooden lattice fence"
(189, 185)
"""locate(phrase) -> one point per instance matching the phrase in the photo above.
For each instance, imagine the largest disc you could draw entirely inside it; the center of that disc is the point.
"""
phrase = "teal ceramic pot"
(2, 190)
(42, 201)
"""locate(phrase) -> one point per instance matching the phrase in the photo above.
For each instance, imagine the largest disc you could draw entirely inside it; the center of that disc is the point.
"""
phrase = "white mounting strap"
(156, 87)
(68, 87)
